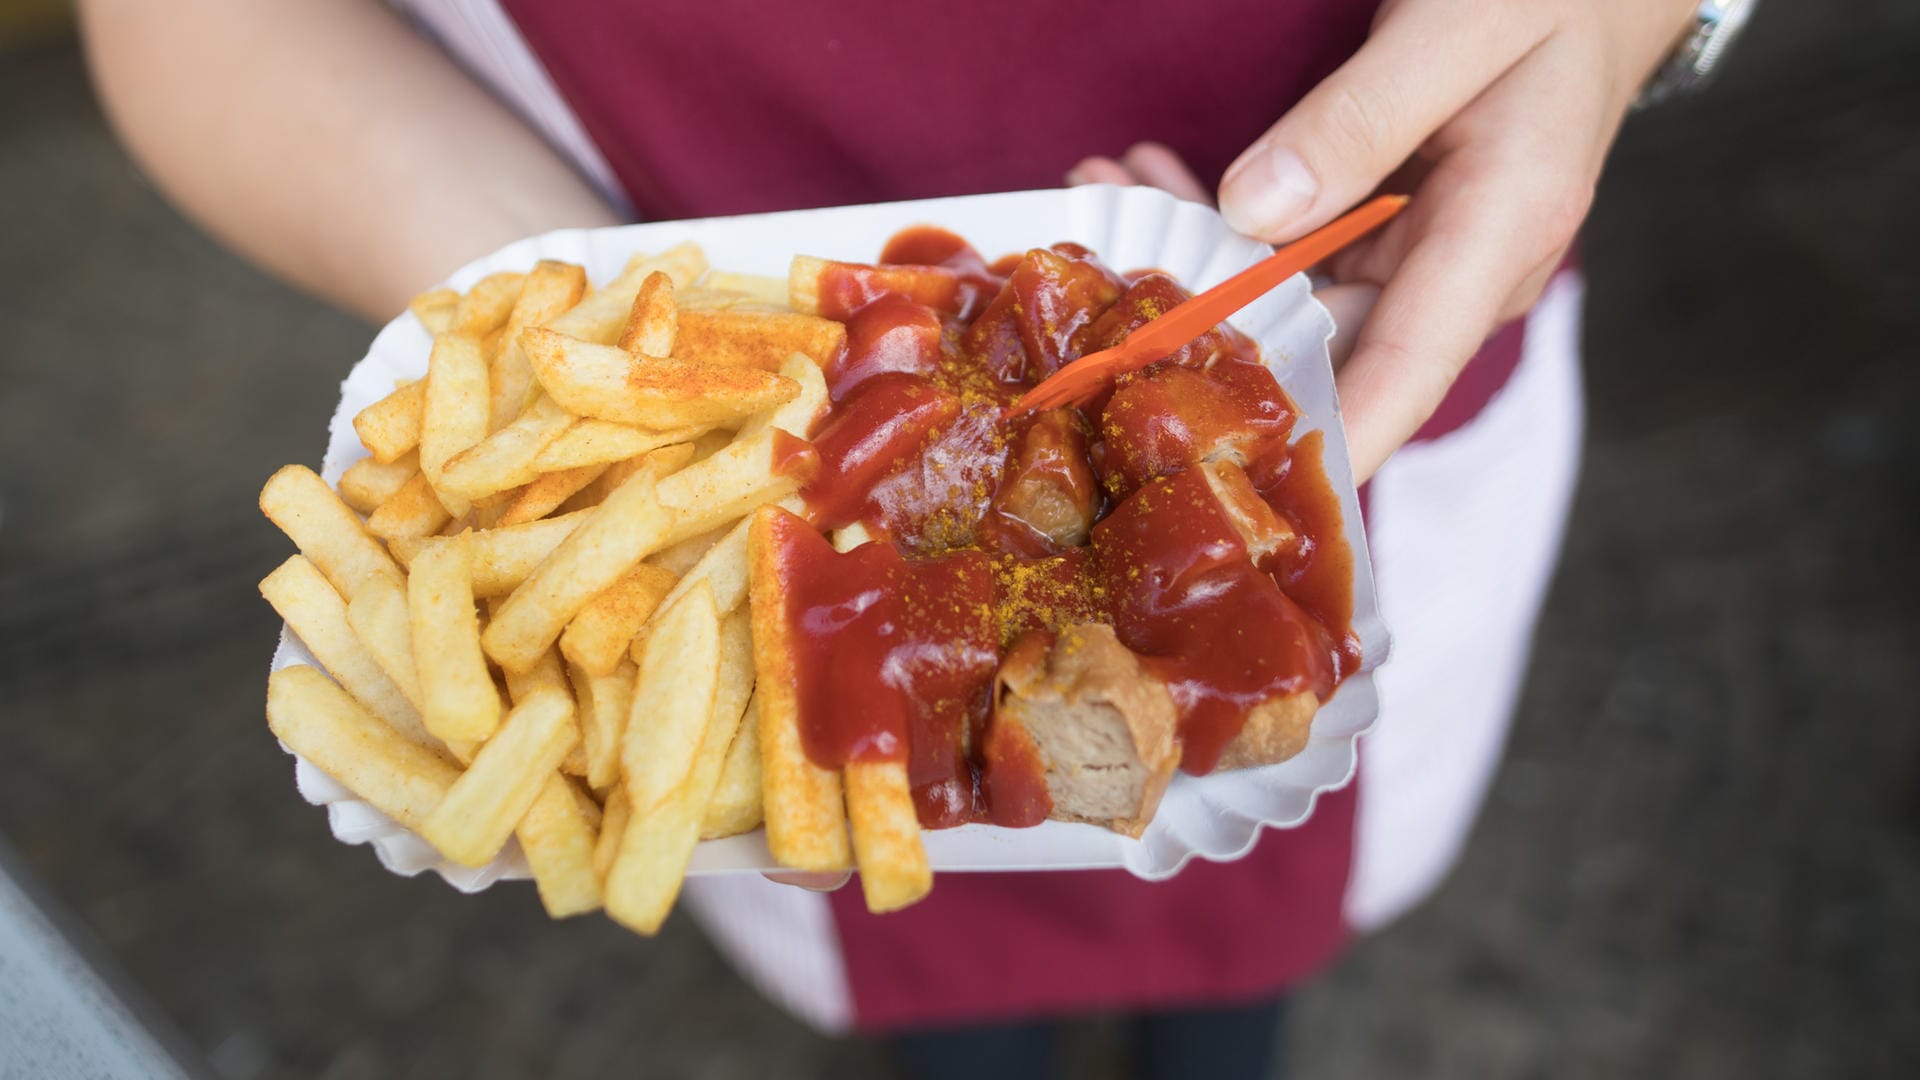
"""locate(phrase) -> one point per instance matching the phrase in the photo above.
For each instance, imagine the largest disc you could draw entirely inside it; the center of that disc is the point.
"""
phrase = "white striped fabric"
(1465, 532)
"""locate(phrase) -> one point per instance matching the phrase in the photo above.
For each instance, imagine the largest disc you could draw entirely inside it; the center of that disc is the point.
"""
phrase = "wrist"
(1709, 33)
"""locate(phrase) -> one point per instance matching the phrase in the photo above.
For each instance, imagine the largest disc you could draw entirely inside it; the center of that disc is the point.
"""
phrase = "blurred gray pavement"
(1701, 859)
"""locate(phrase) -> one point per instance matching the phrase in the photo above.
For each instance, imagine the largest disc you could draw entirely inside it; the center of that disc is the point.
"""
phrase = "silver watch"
(1715, 24)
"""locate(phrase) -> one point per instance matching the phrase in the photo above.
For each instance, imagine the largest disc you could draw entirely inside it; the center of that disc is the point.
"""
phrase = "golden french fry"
(548, 673)
(935, 286)
(315, 612)
(603, 442)
(414, 510)
(805, 813)
(605, 382)
(797, 416)
(760, 287)
(488, 510)
(673, 754)
(736, 807)
(325, 530)
(672, 700)
(719, 558)
(712, 442)
(460, 699)
(649, 329)
(682, 556)
(847, 537)
(456, 412)
(481, 809)
(367, 483)
(641, 518)
(390, 427)
(486, 306)
(378, 616)
(505, 458)
(435, 309)
(558, 838)
(321, 723)
(661, 462)
(598, 637)
(756, 340)
(604, 703)
(724, 568)
(551, 288)
(803, 283)
(886, 835)
(748, 472)
(503, 557)
(701, 298)
(601, 315)
(613, 825)
(547, 493)
(619, 533)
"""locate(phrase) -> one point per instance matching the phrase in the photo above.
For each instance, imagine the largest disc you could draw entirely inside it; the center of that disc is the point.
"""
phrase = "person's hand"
(1496, 115)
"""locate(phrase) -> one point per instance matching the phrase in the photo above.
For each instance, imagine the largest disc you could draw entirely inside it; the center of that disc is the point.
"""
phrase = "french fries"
(736, 807)
(548, 493)
(771, 291)
(412, 510)
(321, 723)
(458, 697)
(480, 811)
(503, 557)
(617, 535)
(886, 835)
(378, 617)
(455, 413)
(650, 325)
(550, 290)
(693, 684)
(558, 835)
(391, 426)
(611, 384)
(603, 442)
(805, 807)
(605, 701)
(600, 317)
(761, 340)
(367, 483)
(486, 306)
(325, 530)
(576, 492)
(435, 309)
(598, 637)
(317, 614)
(505, 459)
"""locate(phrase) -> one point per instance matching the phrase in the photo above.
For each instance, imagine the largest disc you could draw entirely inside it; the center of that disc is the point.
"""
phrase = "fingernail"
(1266, 192)
(1075, 178)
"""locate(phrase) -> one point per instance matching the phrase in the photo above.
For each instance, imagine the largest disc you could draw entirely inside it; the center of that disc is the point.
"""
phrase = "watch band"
(1716, 23)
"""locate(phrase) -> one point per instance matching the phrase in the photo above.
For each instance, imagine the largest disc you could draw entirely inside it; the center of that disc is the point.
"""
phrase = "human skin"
(326, 142)
(1496, 115)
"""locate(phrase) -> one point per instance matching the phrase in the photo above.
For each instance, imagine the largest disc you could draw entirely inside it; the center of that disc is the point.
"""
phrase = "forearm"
(325, 141)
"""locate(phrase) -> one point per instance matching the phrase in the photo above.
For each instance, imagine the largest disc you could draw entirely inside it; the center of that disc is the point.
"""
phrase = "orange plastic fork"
(1189, 319)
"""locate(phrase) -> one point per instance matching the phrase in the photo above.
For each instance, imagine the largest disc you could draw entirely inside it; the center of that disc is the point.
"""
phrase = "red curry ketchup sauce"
(991, 531)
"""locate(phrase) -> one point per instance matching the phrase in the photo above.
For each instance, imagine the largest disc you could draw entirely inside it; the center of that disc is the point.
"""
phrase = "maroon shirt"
(724, 107)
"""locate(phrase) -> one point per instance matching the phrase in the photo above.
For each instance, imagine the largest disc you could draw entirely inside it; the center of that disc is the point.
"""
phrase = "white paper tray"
(1216, 816)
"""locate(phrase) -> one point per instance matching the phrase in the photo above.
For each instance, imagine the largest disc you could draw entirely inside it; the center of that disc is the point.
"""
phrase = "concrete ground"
(1701, 858)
